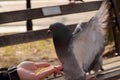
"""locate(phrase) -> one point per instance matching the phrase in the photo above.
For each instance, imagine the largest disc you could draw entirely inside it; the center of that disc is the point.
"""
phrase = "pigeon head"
(60, 32)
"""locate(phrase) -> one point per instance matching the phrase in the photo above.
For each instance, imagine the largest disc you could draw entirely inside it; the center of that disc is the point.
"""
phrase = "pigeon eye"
(54, 28)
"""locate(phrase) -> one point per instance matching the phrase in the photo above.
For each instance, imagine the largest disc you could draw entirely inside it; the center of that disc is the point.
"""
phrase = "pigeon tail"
(103, 13)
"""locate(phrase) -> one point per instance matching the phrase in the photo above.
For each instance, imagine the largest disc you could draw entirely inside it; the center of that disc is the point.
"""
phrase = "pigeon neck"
(62, 35)
(62, 39)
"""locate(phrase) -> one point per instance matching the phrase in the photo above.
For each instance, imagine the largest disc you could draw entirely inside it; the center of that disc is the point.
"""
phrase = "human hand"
(27, 70)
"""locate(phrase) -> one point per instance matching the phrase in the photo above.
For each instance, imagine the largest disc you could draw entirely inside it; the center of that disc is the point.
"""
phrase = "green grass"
(42, 50)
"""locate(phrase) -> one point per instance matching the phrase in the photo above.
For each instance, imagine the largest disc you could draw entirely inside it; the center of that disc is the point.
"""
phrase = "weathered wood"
(24, 37)
(14, 16)
(111, 60)
(112, 70)
(110, 74)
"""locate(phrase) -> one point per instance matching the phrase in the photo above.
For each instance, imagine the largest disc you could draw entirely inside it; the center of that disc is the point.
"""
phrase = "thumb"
(43, 64)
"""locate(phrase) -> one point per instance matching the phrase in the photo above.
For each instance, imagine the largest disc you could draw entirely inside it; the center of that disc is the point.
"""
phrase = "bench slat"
(21, 15)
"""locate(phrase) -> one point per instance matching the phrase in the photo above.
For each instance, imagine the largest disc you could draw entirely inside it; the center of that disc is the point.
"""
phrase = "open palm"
(27, 70)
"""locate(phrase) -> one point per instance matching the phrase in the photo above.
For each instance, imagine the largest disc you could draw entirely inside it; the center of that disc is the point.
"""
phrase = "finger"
(43, 64)
(59, 67)
(58, 70)
(46, 73)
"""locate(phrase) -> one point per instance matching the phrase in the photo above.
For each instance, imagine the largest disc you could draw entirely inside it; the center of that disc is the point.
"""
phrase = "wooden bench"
(111, 72)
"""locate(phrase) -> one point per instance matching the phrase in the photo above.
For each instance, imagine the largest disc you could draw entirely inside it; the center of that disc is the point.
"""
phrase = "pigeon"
(80, 51)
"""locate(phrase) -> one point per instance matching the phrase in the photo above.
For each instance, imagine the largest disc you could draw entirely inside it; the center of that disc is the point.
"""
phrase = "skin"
(26, 70)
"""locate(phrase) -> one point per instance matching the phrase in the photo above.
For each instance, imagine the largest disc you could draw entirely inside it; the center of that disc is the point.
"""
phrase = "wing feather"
(87, 43)
(78, 29)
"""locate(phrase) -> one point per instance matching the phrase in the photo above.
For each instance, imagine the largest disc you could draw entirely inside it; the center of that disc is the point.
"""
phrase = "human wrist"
(13, 74)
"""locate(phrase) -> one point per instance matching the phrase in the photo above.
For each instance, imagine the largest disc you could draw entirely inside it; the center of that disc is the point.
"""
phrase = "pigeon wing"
(78, 28)
(86, 44)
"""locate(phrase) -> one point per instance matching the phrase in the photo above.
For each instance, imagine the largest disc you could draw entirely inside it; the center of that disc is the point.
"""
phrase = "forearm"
(9, 74)
(4, 75)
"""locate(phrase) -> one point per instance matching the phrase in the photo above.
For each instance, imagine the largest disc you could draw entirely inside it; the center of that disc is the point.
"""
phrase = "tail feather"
(104, 6)
(103, 13)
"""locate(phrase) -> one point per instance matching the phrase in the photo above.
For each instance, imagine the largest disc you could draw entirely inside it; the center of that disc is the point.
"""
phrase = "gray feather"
(90, 42)
(78, 29)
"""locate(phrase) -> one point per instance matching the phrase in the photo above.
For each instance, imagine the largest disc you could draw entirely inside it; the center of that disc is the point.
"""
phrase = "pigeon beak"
(49, 32)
